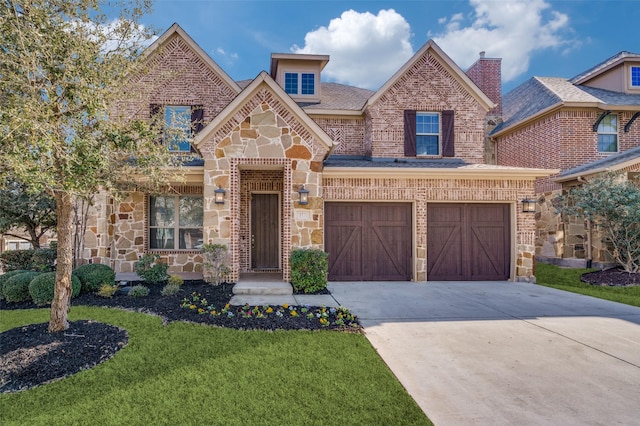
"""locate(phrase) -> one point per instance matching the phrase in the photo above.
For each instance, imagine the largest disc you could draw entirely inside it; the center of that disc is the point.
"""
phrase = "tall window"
(427, 133)
(635, 76)
(175, 222)
(177, 128)
(299, 83)
(608, 134)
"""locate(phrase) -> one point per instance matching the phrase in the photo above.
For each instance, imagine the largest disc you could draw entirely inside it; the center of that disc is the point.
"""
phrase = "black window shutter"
(156, 109)
(448, 149)
(197, 120)
(410, 133)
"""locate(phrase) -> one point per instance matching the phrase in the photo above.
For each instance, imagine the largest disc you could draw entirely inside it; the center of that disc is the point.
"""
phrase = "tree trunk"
(62, 293)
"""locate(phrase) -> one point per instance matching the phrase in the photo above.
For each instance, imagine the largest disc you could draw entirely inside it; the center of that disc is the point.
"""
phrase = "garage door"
(368, 241)
(468, 242)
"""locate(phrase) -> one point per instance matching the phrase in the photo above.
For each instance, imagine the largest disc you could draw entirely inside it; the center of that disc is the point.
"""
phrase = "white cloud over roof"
(511, 30)
(365, 49)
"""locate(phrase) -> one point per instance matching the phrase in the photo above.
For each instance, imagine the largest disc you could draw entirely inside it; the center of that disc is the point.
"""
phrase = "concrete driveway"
(504, 353)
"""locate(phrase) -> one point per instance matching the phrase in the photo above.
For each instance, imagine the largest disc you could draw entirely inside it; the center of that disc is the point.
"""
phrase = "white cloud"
(511, 30)
(229, 58)
(365, 49)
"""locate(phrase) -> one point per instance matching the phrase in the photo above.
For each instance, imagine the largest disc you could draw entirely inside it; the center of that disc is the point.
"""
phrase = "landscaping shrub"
(170, 289)
(13, 260)
(4, 277)
(175, 280)
(93, 275)
(44, 260)
(217, 261)
(16, 289)
(41, 287)
(138, 291)
(151, 269)
(41, 260)
(309, 270)
(107, 290)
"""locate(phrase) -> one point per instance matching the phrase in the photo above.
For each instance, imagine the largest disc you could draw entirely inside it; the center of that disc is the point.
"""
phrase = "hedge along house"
(391, 183)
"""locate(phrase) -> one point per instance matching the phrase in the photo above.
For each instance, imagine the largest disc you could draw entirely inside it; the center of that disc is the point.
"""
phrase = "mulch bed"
(30, 355)
(615, 277)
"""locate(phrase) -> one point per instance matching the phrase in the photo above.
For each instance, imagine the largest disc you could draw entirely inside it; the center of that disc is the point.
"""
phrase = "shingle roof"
(340, 96)
(524, 101)
(604, 64)
(603, 163)
(357, 161)
(540, 93)
(334, 96)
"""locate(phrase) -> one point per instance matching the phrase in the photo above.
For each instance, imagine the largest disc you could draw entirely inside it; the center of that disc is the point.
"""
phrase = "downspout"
(589, 253)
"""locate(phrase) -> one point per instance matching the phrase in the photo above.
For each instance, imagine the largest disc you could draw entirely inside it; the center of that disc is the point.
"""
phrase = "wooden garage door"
(368, 241)
(468, 242)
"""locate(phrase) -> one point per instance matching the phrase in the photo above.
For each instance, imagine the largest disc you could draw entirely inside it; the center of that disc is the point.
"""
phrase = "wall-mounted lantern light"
(304, 195)
(219, 195)
(528, 206)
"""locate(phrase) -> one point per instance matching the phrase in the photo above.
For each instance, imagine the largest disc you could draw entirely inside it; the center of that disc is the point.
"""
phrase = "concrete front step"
(262, 288)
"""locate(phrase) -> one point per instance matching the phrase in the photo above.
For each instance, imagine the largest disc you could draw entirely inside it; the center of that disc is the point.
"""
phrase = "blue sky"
(369, 40)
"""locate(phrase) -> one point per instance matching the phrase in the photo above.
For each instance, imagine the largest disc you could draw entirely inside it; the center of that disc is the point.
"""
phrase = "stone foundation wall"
(567, 237)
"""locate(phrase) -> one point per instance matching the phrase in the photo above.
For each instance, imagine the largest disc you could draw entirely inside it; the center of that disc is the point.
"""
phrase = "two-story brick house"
(581, 125)
(391, 183)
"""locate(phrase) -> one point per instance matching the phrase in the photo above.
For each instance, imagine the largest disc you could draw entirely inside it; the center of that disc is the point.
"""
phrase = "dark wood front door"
(368, 241)
(468, 242)
(265, 232)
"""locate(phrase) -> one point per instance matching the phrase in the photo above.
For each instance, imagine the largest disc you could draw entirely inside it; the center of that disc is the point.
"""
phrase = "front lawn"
(568, 279)
(185, 373)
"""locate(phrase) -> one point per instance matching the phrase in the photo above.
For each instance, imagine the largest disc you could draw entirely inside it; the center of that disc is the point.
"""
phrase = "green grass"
(183, 374)
(568, 279)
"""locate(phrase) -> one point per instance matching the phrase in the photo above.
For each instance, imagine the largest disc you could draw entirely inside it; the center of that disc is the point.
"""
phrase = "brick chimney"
(486, 73)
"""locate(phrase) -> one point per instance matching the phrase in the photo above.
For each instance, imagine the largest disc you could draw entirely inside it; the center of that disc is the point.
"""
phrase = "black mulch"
(615, 277)
(30, 355)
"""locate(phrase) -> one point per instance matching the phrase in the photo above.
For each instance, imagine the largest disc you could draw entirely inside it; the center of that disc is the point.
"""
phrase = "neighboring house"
(555, 123)
(392, 183)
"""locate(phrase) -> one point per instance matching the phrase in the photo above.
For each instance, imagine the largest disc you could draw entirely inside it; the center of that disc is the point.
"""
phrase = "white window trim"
(299, 88)
(601, 132)
(439, 134)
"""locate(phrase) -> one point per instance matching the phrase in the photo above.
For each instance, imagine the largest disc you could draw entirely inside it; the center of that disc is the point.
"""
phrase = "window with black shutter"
(428, 134)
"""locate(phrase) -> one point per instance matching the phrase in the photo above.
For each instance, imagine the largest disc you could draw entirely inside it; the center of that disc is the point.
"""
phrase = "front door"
(265, 232)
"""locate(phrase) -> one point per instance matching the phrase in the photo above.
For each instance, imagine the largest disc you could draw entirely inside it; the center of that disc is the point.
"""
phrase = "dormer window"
(635, 77)
(299, 83)
(299, 75)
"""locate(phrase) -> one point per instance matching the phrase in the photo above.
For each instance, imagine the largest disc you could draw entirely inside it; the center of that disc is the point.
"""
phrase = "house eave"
(324, 113)
(613, 168)
(556, 107)
(467, 172)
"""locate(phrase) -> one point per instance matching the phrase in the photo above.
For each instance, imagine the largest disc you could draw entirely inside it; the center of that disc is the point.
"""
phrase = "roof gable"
(176, 30)
(605, 66)
(431, 48)
(263, 90)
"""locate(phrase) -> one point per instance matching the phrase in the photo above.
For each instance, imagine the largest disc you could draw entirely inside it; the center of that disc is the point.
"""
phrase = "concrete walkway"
(503, 353)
